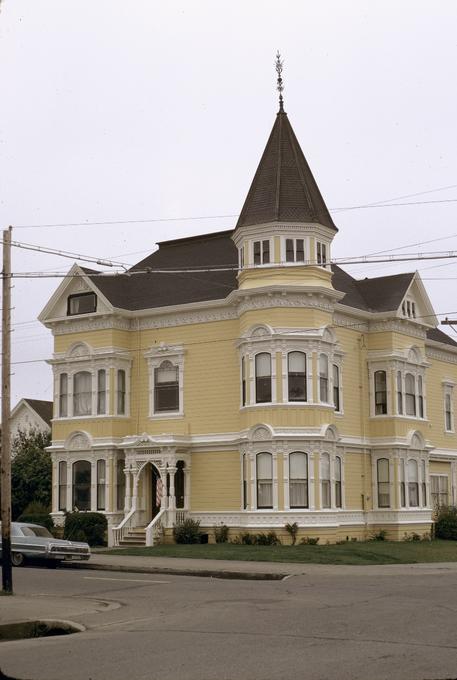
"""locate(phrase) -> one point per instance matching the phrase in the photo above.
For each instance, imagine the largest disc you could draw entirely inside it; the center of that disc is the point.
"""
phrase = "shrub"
(379, 536)
(31, 471)
(267, 539)
(247, 539)
(412, 537)
(292, 529)
(309, 540)
(446, 523)
(221, 533)
(37, 513)
(85, 526)
(187, 531)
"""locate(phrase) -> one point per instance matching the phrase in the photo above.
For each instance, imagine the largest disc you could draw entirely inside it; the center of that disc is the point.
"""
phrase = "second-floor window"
(323, 378)
(121, 392)
(296, 376)
(263, 378)
(82, 394)
(448, 420)
(410, 395)
(336, 388)
(63, 395)
(380, 393)
(101, 392)
(166, 387)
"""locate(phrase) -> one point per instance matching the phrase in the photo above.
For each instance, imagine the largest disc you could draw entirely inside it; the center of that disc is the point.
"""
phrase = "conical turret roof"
(283, 188)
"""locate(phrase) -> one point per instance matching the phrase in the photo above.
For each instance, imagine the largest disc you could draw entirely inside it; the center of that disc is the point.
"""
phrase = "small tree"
(31, 471)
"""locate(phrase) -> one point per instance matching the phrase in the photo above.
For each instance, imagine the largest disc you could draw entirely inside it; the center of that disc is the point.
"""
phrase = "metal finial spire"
(280, 87)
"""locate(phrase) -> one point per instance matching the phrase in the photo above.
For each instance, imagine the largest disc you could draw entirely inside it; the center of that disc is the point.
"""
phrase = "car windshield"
(36, 531)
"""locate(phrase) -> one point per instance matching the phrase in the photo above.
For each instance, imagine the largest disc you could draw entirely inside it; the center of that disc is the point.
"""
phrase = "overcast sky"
(142, 110)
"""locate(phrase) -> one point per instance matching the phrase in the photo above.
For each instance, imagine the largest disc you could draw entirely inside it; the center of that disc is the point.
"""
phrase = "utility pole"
(5, 462)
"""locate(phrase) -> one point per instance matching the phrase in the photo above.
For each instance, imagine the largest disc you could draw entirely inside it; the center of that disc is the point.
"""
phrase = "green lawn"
(379, 552)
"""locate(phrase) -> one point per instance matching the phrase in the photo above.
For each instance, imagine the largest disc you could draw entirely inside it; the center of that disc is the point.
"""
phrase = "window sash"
(380, 395)
(82, 394)
(81, 303)
(82, 472)
(263, 379)
(325, 493)
(121, 382)
(101, 488)
(63, 395)
(101, 392)
(298, 493)
(62, 485)
(413, 492)
(296, 377)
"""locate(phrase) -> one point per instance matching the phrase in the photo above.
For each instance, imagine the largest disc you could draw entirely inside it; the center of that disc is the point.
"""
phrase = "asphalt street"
(140, 626)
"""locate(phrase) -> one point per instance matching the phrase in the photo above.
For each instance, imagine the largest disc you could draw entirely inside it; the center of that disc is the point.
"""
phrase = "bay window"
(380, 392)
(323, 378)
(325, 480)
(264, 464)
(413, 484)
(298, 480)
(296, 374)
(383, 475)
(82, 393)
(263, 378)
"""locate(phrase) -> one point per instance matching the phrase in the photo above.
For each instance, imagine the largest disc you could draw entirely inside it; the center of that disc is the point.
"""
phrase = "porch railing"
(155, 528)
(118, 533)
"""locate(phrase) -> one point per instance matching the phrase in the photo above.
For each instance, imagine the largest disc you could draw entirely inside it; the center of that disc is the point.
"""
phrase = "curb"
(173, 571)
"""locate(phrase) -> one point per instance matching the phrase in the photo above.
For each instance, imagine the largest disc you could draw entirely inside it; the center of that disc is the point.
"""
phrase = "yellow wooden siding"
(354, 480)
(216, 481)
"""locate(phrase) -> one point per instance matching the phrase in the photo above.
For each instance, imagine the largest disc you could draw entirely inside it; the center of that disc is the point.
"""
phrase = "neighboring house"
(261, 387)
(31, 414)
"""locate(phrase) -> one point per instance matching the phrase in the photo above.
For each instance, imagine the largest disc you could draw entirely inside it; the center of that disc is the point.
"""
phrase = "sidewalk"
(237, 569)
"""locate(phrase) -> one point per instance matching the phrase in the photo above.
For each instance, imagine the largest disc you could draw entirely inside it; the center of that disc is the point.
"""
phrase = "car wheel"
(17, 559)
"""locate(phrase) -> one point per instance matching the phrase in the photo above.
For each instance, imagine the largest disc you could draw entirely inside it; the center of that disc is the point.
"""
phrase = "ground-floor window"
(62, 485)
(120, 484)
(439, 490)
(179, 484)
(298, 480)
(383, 483)
(81, 484)
(101, 473)
(264, 480)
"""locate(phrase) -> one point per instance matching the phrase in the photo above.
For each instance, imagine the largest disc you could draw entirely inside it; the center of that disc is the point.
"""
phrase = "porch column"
(127, 490)
(172, 499)
(187, 487)
(163, 476)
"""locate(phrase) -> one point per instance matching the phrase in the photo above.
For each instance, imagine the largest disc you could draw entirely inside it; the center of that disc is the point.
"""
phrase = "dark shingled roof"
(283, 188)
(381, 294)
(438, 336)
(43, 408)
(144, 291)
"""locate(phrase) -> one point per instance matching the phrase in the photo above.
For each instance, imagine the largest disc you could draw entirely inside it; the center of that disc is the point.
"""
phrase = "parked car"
(32, 541)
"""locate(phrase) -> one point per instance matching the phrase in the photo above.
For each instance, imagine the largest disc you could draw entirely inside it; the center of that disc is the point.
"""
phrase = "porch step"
(135, 537)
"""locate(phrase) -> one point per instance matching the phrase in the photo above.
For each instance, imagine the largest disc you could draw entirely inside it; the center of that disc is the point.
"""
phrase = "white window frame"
(439, 476)
(326, 244)
(294, 238)
(155, 357)
(448, 391)
(271, 252)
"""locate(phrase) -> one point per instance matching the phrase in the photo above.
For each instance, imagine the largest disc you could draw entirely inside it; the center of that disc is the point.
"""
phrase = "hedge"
(90, 527)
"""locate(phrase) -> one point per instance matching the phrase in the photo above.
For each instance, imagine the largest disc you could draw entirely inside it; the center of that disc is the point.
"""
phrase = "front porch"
(157, 495)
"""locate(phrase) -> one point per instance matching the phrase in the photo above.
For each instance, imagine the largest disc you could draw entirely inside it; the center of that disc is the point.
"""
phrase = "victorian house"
(241, 378)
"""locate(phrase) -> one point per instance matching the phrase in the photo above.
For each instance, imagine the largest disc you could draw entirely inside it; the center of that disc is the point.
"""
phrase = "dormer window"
(262, 252)
(81, 303)
(408, 308)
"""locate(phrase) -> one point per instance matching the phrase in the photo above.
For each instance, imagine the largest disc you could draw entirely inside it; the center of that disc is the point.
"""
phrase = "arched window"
(296, 374)
(264, 464)
(380, 393)
(62, 485)
(336, 388)
(399, 393)
(101, 479)
(410, 394)
(81, 484)
(298, 480)
(420, 396)
(262, 378)
(82, 394)
(325, 480)
(413, 484)
(63, 395)
(338, 495)
(383, 483)
(323, 378)
(120, 484)
(179, 484)
(101, 391)
(166, 387)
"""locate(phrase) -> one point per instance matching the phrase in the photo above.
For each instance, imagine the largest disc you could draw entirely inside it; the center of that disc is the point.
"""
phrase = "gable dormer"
(416, 305)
